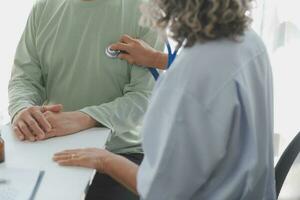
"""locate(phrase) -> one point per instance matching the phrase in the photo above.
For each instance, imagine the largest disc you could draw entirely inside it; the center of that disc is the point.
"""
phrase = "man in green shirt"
(61, 61)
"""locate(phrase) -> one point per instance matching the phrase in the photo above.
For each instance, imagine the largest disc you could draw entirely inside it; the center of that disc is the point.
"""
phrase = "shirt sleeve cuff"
(99, 115)
(16, 109)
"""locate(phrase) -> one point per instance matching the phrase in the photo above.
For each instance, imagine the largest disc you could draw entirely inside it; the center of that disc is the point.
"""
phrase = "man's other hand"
(31, 124)
(66, 123)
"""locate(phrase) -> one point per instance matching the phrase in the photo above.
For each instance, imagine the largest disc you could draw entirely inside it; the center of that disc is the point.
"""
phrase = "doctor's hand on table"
(89, 158)
(43, 122)
(104, 162)
(138, 52)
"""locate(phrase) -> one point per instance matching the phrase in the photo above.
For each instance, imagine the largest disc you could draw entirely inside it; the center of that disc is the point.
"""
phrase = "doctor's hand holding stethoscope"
(138, 52)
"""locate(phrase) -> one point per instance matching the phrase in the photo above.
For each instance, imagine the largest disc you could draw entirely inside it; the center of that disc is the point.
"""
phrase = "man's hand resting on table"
(43, 122)
(31, 124)
(66, 123)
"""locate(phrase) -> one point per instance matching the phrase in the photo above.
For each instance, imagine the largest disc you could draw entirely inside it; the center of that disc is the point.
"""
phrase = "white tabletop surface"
(58, 183)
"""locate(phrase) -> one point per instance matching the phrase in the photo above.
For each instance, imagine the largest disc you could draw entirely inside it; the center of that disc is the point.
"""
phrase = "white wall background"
(278, 22)
(13, 16)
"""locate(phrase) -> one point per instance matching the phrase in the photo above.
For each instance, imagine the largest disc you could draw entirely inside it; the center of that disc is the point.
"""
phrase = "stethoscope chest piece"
(112, 53)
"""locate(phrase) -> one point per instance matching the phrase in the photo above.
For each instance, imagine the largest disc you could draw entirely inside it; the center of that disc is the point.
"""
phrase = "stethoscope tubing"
(171, 59)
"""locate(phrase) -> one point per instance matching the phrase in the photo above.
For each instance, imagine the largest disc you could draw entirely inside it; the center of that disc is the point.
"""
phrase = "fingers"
(66, 158)
(32, 123)
(26, 132)
(39, 117)
(66, 162)
(59, 157)
(125, 44)
(121, 47)
(78, 151)
(18, 133)
(126, 39)
(67, 152)
(34, 126)
(52, 108)
(126, 57)
(49, 135)
(71, 162)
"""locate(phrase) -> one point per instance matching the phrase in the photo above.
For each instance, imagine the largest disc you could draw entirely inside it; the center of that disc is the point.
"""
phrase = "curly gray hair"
(191, 21)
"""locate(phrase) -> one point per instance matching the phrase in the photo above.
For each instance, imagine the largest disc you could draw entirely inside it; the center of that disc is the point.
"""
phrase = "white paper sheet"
(21, 183)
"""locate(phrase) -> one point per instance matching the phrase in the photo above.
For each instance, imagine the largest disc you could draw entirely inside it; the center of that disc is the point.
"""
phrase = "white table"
(59, 183)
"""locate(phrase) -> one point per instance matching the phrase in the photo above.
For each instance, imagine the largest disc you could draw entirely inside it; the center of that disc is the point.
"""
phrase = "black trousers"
(103, 187)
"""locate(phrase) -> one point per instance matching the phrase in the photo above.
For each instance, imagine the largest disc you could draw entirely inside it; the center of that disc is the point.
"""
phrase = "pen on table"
(3, 181)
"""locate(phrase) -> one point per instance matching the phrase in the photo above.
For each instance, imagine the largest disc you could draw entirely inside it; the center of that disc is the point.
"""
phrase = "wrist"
(105, 161)
(85, 120)
(16, 114)
(161, 60)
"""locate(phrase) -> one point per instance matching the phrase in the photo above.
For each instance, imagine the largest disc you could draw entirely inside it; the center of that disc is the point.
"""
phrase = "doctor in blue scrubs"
(208, 131)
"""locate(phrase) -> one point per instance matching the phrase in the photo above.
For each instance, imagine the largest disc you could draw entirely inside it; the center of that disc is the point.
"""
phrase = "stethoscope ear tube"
(171, 55)
(171, 58)
(154, 73)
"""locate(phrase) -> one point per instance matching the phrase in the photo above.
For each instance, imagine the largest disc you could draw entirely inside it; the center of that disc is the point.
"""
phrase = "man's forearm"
(122, 170)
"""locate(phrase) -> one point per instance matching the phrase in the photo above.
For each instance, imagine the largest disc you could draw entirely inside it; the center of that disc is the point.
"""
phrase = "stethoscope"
(171, 57)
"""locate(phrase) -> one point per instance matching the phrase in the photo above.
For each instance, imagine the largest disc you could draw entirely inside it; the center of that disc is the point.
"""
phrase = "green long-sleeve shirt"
(61, 59)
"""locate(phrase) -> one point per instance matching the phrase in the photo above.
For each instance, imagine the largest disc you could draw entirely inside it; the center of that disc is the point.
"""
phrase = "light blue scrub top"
(208, 132)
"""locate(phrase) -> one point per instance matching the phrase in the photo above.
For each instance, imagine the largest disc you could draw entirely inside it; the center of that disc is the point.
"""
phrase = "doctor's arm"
(140, 53)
